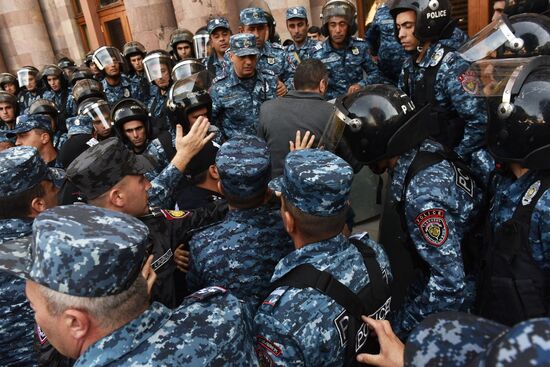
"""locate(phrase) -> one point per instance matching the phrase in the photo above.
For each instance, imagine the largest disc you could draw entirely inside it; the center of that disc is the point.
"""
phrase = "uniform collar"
(122, 341)
(310, 254)
(328, 46)
(431, 55)
(15, 228)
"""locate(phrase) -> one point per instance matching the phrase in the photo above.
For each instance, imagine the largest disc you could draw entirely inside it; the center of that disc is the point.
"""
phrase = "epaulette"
(268, 72)
(318, 46)
(274, 296)
(359, 39)
(175, 214)
(277, 45)
(220, 77)
(208, 292)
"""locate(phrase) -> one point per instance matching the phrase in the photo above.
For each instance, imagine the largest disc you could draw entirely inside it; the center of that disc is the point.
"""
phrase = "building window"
(104, 3)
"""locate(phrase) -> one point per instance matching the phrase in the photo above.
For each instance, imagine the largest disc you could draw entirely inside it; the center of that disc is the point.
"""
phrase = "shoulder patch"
(464, 181)
(175, 214)
(470, 82)
(433, 226)
(274, 297)
(269, 345)
(206, 293)
(530, 193)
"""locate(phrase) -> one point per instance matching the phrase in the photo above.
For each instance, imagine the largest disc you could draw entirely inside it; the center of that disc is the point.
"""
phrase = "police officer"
(111, 176)
(115, 84)
(57, 91)
(8, 110)
(36, 131)
(48, 108)
(272, 56)
(433, 191)
(519, 243)
(30, 86)
(158, 68)
(386, 47)
(437, 75)
(26, 189)
(303, 325)
(181, 44)
(8, 82)
(345, 57)
(87, 259)
(97, 109)
(237, 97)
(67, 65)
(296, 22)
(219, 30)
(241, 252)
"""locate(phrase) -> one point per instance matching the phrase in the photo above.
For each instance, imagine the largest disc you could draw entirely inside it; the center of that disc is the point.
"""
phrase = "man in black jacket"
(303, 109)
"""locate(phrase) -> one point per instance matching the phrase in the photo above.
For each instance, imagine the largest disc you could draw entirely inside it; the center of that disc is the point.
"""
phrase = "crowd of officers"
(191, 207)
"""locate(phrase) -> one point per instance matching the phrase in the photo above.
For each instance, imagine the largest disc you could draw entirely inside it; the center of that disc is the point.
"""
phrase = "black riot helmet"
(6, 78)
(156, 64)
(53, 70)
(87, 88)
(342, 8)
(80, 73)
(378, 122)
(518, 128)
(200, 43)
(6, 97)
(65, 62)
(513, 7)
(133, 48)
(43, 107)
(522, 35)
(129, 109)
(187, 95)
(89, 58)
(433, 17)
(178, 36)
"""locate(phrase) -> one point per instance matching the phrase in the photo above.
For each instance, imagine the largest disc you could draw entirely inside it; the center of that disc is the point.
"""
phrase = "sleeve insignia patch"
(470, 82)
(174, 214)
(433, 226)
(269, 345)
(530, 193)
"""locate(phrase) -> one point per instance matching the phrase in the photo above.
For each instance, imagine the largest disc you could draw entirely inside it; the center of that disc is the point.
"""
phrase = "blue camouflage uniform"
(125, 88)
(347, 65)
(209, 328)
(507, 194)
(455, 339)
(216, 66)
(438, 213)
(297, 327)
(306, 50)
(21, 168)
(235, 101)
(391, 55)
(26, 98)
(454, 91)
(241, 252)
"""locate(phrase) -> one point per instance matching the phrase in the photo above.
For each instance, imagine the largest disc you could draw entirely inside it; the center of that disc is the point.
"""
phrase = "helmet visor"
(200, 44)
(338, 9)
(99, 111)
(186, 68)
(489, 78)
(107, 56)
(334, 130)
(187, 89)
(487, 41)
(23, 77)
(156, 67)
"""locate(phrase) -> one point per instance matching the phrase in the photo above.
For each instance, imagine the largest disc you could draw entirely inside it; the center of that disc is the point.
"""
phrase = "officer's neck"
(517, 170)
(423, 51)
(300, 44)
(112, 80)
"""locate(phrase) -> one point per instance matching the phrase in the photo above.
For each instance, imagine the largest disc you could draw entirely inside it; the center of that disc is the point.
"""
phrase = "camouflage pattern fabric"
(124, 89)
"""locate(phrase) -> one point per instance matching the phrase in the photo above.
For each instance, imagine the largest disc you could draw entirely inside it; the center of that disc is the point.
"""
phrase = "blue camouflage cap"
(21, 169)
(4, 137)
(317, 182)
(250, 16)
(79, 125)
(217, 22)
(25, 123)
(296, 12)
(87, 251)
(244, 165)
(458, 339)
(243, 44)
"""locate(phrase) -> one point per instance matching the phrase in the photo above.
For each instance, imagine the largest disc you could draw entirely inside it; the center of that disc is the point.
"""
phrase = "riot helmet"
(433, 18)
(7, 78)
(518, 128)
(514, 7)
(65, 62)
(378, 122)
(200, 43)
(273, 36)
(129, 109)
(185, 96)
(25, 75)
(179, 36)
(82, 72)
(133, 48)
(522, 35)
(88, 59)
(43, 107)
(6, 97)
(87, 88)
(341, 8)
(55, 71)
(98, 110)
(158, 66)
(186, 68)
(106, 56)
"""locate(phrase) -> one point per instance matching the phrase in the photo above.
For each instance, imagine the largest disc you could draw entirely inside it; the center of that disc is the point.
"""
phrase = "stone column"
(24, 38)
(195, 14)
(3, 68)
(151, 21)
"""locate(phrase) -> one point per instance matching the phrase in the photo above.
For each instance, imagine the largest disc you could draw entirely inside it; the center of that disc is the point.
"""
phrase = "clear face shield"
(487, 41)
(24, 77)
(200, 44)
(338, 8)
(185, 91)
(156, 67)
(106, 56)
(99, 111)
(186, 68)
